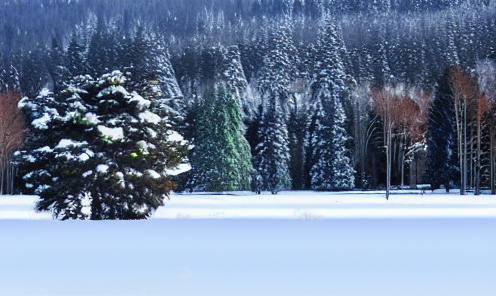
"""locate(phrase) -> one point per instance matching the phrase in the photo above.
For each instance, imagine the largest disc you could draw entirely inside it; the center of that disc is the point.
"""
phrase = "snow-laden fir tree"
(272, 153)
(271, 159)
(221, 160)
(332, 168)
(232, 79)
(99, 150)
(232, 75)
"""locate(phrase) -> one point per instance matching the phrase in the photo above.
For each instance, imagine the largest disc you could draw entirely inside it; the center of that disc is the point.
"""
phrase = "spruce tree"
(75, 57)
(332, 168)
(272, 154)
(221, 160)
(442, 152)
(104, 150)
(272, 158)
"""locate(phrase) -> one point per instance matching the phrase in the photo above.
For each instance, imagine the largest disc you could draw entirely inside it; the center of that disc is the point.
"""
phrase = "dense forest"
(262, 95)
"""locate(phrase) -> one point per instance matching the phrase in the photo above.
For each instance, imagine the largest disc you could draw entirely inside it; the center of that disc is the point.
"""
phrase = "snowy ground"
(296, 205)
(332, 244)
(326, 205)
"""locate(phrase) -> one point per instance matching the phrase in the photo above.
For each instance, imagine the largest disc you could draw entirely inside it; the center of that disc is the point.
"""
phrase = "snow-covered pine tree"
(221, 159)
(272, 157)
(103, 152)
(232, 75)
(279, 70)
(272, 153)
(233, 81)
(332, 168)
(9, 78)
(158, 81)
(450, 50)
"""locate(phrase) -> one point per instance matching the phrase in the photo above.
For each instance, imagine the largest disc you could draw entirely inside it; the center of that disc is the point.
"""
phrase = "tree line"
(315, 97)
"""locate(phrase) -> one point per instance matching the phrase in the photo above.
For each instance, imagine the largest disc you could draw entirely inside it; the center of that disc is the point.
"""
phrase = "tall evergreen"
(33, 75)
(56, 67)
(442, 159)
(75, 57)
(272, 156)
(221, 160)
(332, 168)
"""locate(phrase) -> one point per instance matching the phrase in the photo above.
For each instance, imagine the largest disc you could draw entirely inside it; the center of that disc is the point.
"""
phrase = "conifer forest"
(101, 102)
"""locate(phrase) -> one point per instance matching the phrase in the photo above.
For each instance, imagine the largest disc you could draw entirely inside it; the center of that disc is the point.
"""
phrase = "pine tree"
(272, 154)
(332, 168)
(33, 74)
(235, 84)
(104, 152)
(75, 58)
(442, 153)
(55, 66)
(221, 160)
(272, 158)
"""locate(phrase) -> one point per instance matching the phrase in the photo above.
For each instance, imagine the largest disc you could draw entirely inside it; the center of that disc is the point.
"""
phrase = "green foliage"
(103, 153)
(221, 160)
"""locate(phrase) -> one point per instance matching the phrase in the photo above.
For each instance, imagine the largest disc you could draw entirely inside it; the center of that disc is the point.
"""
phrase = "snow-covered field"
(301, 243)
(327, 205)
(296, 205)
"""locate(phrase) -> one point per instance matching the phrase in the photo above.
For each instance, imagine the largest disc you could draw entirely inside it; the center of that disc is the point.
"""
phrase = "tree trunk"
(465, 146)
(2, 173)
(478, 159)
(459, 125)
(388, 160)
(491, 160)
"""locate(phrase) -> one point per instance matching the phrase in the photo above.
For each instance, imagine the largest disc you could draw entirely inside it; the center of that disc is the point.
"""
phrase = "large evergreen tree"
(332, 168)
(272, 156)
(442, 152)
(105, 150)
(221, 160)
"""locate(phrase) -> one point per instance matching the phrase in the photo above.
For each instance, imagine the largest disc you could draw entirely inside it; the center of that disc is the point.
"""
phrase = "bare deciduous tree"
(11, 137)
(470, 106)
(404, 116)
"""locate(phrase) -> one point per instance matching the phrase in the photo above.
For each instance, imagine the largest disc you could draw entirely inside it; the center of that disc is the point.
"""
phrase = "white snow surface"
(181, 168)
(141, 103)
(102, 168)
(64, 143)
(359, 253)
(175, 136)
(149, 117)
(305, 205)
(45, 149)
(153, 174)
(326, 205)
(42, 122)
(116, 133)
(91, 118)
